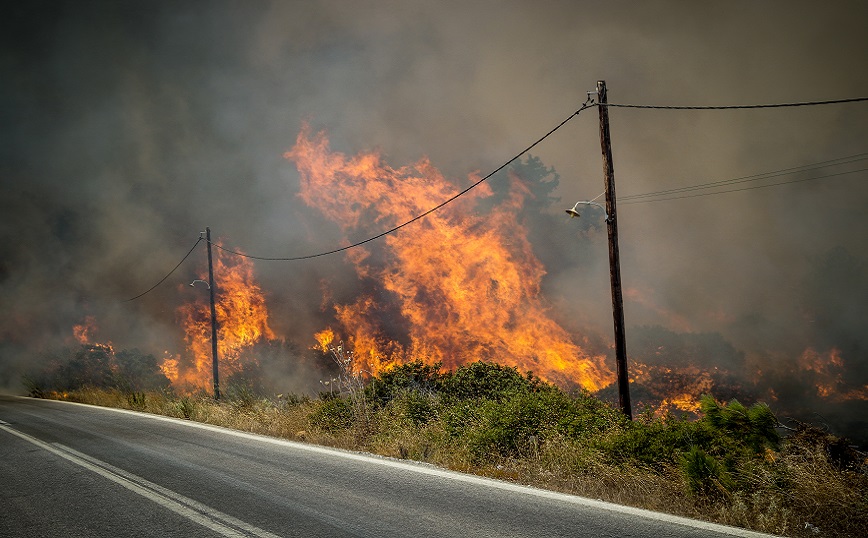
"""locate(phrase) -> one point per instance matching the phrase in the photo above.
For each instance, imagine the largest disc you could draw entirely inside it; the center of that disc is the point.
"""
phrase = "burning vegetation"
(457, 288)
(242, 321)
(464, 284)
(87, 362)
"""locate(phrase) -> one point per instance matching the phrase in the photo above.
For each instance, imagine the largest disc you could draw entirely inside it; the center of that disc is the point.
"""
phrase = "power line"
(737, 107)
(587, 104)
(630, 202)
(152, 288)
(633, 199)
(754, 177)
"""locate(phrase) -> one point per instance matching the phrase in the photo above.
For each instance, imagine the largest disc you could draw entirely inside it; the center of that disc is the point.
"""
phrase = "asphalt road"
(74, 470)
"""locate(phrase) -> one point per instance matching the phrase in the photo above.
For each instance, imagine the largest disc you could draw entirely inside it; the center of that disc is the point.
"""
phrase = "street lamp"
(193, 284)
(573, 212)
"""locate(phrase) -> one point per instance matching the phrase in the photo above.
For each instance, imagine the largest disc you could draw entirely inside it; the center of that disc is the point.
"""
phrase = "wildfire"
(665, 388)
(324, 338)
(828, 372)
(460, 287)
(672, 389)
(169, 368)
(242, 320)
(85, 333)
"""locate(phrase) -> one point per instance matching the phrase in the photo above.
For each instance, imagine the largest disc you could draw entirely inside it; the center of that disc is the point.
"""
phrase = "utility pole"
(211, 291)
(614, 257)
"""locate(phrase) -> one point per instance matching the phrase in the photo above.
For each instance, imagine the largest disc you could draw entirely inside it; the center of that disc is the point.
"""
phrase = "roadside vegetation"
(735, 464)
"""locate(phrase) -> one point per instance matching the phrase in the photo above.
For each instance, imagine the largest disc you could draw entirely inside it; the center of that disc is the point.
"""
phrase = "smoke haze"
(128, 127)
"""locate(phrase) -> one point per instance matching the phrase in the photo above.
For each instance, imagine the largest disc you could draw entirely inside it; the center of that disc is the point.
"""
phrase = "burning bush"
(459, 289)
(242, 320)
(97, 366)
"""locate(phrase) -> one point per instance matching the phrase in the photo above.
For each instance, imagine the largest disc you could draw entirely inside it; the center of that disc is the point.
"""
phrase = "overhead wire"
(753, 187)
(751, 178)
(735, 107)
(631, 199)
(587, 104)
(152, 288)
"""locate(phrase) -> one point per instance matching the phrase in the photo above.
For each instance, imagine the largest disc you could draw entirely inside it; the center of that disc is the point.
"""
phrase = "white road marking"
(195, 511)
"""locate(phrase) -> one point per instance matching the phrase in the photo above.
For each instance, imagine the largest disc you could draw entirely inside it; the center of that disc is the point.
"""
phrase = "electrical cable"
(631, 202)
(736, 107)
(633, 199)
(152, 288)
(587, 104)
(754, 177)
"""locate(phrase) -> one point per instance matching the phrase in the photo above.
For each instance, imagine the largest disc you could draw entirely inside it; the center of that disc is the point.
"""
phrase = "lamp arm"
(573, 212)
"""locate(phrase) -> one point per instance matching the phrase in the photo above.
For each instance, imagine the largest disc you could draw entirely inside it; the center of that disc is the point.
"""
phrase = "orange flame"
(242, 320)
(324, 338)
(828, 370)
(464, 287)
(85, 330)
(169, 366)
(671, 389)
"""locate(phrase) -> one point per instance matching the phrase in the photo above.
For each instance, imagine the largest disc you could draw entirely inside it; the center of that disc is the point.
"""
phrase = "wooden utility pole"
(614, 257)
(212, 290)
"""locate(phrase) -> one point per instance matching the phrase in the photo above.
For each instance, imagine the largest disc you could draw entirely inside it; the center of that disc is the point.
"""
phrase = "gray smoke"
(130, 126)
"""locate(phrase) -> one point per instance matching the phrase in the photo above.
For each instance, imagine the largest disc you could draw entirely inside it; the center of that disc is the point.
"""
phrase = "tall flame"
(464, 287)
(242, 320)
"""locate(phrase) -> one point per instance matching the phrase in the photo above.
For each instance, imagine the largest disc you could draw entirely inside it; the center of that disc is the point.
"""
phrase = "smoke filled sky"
(128, 127)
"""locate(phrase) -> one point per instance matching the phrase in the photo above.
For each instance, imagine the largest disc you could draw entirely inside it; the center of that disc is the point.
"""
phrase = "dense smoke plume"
(128, 127)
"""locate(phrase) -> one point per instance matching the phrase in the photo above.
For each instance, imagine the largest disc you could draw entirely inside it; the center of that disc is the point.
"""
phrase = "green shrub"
(415, 407)
(333, 415)
(731, 434)
(752, 427)
(656, 443)
(704, 474)
(290, 399)
(459, 417)
(515, 426)
(186, 407)
(241, 395)
(477, 380)
(585, 416)
(136, 400)
(489, 381)
(411, 377)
